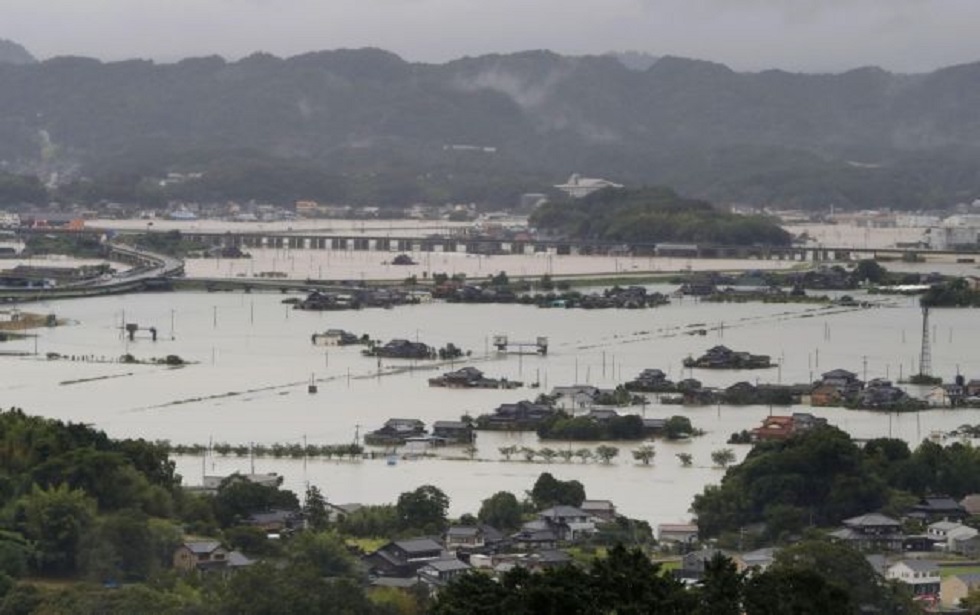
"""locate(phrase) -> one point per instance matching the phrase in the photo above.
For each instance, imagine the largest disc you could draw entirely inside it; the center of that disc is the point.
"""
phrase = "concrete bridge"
(485, 245)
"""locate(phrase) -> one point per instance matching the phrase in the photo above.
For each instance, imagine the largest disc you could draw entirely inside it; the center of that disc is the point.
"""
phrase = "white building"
(960, 230)
(921, 576)
(9, 220)
(578, 186)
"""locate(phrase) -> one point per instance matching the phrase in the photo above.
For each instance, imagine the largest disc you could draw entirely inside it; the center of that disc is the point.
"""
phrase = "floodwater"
(252, 359)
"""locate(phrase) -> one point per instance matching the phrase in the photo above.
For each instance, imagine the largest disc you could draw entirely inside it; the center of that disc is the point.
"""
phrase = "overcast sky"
(806, 35)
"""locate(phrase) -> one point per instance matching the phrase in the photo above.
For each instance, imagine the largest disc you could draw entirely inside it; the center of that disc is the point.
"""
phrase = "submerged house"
(783, 427)
(722, 357)
(335, 337)
(453, 432)
(521, 416)
(395, 432)
(651, 381)
(471, 378)
(403, 349)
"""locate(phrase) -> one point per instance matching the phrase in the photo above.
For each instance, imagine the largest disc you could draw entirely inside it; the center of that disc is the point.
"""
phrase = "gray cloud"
(811, 35)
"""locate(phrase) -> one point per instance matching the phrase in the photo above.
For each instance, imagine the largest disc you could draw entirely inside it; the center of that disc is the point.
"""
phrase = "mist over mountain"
(365, 125)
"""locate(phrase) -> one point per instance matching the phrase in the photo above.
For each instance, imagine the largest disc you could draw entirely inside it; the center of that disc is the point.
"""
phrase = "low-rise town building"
(871, 532)
(921, 577)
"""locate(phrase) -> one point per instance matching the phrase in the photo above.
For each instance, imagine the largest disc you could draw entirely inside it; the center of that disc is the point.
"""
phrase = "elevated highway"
(148, 271)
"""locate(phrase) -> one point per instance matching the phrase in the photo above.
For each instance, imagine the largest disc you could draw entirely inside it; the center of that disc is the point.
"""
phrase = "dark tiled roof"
(418, 545)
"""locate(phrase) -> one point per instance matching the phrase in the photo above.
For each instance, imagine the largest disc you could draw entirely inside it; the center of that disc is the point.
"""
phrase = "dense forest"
(653, 215)
(365, 126)
(822, 477)
(89, 525)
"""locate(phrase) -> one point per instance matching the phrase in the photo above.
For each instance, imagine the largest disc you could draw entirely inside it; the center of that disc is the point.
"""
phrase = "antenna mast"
(925, 356)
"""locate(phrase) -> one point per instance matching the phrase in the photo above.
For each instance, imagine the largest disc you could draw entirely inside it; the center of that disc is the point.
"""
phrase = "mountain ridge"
(766, 138)
(14, 53)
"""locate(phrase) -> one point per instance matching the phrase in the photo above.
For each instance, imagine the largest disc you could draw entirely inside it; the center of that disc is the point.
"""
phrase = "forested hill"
(653, 215)
(861, 138)
(13, 53)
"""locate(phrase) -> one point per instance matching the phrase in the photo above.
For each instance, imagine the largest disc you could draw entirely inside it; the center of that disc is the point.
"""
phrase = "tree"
(584, 454)
(627, 582)
(238, 497)
(529, 453)
(720, 592)
(868, 271)
(471, 450)
(783, 520)
(297, 588)
(678, 427)
(686, 459)
(315, 509)
(972, 601)
(14, 555)
(821, 472)
(507, 451)
(844, 568)
(549, 491)
(423, 509)
(799, 591)
(55, 519)
(107, 476)
(723, 457)
(471, 594)
(251, 540)
(548, 454)
(606, 453)
(370, 522)
(323, 552)
(500, 280)
(22, 599)
(644, 454)
(566, 454)
(501, 510)
(119, 546)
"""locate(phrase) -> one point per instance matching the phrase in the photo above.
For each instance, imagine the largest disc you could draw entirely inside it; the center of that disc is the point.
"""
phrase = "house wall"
(952, 590)
(184, 559)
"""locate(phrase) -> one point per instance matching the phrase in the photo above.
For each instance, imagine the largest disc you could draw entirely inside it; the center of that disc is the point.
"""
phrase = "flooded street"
(252, 358)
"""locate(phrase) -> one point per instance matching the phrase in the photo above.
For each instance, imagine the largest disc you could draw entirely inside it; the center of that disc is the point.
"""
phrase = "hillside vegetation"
(653, 215)
(365, 126)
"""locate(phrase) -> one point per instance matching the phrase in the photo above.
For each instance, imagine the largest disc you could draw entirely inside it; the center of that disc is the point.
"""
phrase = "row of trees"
(278, 450)
(603, 453)
(606, 453)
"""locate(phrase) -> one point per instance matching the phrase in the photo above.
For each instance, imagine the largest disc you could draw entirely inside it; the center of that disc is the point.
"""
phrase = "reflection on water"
(252, 360)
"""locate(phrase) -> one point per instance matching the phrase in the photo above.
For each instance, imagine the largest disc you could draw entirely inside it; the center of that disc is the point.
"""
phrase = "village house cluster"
(538, 544)
(913, 558)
